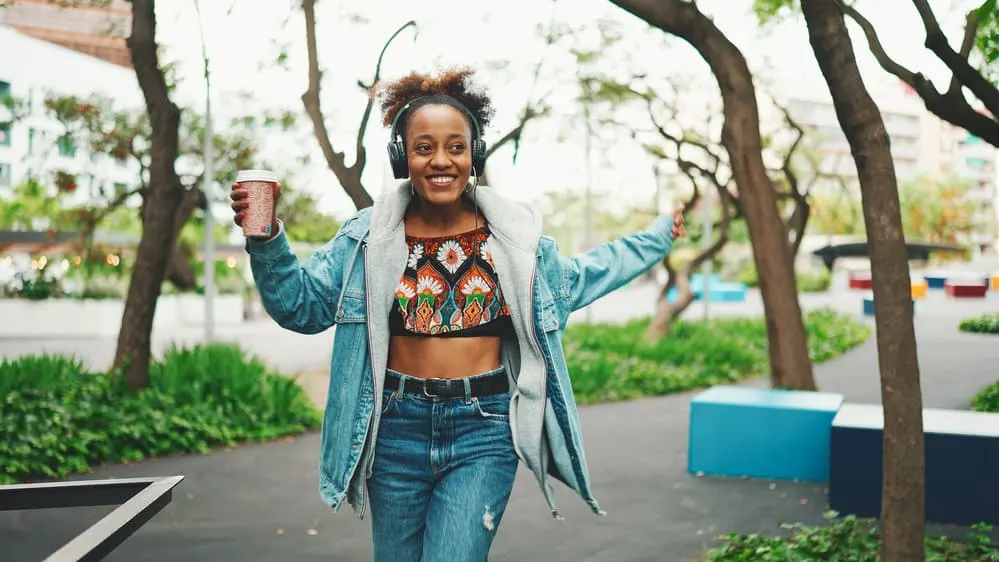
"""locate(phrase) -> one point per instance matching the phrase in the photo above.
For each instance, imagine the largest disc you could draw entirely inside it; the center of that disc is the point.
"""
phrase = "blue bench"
(938, 279)
(962, 464)
(721, 291)
(761, 433)
(869, 306)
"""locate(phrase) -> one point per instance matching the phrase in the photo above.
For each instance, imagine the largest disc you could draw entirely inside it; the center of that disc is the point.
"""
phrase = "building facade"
(33, 143)
(921, 144)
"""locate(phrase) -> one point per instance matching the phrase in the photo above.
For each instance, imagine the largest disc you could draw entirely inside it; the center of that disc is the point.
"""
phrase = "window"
(31, 141)
(5, 175)
(67, 146)
(4, 134)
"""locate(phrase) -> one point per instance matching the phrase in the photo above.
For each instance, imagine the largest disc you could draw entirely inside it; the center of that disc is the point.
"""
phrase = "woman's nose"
(440, 159)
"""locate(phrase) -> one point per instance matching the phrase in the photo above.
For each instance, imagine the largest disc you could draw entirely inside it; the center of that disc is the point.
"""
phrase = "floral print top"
(450, 288)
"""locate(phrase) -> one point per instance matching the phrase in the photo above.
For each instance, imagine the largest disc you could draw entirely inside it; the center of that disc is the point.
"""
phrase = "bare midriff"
(443, 358)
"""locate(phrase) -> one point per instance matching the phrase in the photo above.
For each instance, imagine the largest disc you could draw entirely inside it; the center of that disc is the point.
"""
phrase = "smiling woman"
(448, 368)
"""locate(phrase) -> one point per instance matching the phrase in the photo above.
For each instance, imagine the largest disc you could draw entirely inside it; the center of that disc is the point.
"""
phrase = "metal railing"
(139, 498)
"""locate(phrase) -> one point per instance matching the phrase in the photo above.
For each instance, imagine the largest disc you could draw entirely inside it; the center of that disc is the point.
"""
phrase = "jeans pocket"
(493, 408)
(390, 403)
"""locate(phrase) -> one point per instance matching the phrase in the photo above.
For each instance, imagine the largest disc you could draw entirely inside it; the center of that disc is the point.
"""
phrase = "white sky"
(243, 43)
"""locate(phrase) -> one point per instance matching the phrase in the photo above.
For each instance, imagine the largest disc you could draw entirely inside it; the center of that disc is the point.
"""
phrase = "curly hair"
(455, 83)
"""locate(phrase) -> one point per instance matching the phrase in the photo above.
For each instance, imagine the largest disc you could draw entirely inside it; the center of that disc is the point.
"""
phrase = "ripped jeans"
(443, 472)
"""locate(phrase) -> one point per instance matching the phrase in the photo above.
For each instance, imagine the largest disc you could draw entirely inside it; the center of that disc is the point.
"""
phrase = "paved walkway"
(260, 502)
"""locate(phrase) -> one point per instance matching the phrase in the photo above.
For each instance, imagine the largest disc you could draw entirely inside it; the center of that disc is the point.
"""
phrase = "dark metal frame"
(140, 499)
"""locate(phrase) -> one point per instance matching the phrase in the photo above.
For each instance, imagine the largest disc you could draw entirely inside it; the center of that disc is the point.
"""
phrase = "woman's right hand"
(240, 203)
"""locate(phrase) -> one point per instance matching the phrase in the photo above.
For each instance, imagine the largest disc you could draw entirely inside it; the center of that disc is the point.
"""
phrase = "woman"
(450, 307)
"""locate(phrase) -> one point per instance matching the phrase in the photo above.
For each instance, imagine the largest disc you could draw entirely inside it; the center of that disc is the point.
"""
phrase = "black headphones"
(397, 145)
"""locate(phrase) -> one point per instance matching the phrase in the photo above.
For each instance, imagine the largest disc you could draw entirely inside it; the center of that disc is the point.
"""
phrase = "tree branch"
(371, 90)
(937, 43)
(951, 107)
(349, 176)
(967, 42)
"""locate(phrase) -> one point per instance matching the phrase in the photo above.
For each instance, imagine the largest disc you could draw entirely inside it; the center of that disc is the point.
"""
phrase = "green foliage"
(937, 210)
(987, 399)
(934, 210)
(813, 280)
(303, 221)
(58, 418)
(614, 362)
(845, 539)
(987, 39)
(810, 280)
(768, 11)
(836, 214)
(984, 324)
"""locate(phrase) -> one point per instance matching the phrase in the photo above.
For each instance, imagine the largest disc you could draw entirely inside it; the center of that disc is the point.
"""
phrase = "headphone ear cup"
(479, 156)
(397, 158)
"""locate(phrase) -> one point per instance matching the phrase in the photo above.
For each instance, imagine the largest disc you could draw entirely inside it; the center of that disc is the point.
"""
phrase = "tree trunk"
(179, 271)
(667, 312)
(790, 366)
(162, 200)
(903, 497)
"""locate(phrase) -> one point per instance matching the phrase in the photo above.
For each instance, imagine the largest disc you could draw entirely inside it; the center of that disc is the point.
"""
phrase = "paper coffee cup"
(259, 185)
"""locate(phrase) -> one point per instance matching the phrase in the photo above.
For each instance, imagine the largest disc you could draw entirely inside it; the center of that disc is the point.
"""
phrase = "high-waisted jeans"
(443, 472)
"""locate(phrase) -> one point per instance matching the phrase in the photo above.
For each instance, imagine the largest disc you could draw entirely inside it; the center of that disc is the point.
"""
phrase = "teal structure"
(761, 433)
(721, 291)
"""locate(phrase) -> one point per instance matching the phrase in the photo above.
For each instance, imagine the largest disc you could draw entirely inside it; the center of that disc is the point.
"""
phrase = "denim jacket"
(350, 282)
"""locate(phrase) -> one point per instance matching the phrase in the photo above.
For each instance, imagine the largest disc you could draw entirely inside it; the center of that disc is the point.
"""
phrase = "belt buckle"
(426, 386)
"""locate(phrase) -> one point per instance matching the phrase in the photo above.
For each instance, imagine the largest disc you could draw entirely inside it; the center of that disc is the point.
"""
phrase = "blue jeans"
(442, 476)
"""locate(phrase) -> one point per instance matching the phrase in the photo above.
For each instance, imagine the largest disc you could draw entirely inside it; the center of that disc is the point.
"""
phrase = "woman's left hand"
(679, 228)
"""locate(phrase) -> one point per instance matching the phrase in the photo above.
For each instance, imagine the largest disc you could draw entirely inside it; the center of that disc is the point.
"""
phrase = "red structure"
(966, 289)
(860, 280)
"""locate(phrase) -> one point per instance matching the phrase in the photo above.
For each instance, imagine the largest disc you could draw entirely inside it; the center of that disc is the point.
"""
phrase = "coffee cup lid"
(256, 175)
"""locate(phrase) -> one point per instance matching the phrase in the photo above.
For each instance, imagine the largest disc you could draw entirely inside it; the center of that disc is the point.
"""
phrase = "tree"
(903, 496)
(979, 47)
(349, 176)
(938, 210)
(161, 202)
(789, 361)
(123, 136)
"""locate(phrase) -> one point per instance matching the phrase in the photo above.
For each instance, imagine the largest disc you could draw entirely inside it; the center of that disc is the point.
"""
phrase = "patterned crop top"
(449, 289)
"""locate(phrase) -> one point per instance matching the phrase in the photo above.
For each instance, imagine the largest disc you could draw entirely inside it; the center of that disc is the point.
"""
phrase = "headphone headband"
(416, 103)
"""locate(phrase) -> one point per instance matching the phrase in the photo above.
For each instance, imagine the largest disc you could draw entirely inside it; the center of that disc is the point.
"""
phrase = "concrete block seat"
(936, 279)
(967, 287)
(761, 433)
(860, 280)
(919, 287)
(962, 464)
(720, 291)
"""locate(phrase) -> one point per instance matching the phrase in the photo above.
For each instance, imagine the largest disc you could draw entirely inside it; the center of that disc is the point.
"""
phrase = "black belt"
(451, 388)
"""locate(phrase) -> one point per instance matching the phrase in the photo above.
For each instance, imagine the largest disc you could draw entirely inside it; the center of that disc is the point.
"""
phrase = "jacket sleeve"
(593, 274)
(299, 296)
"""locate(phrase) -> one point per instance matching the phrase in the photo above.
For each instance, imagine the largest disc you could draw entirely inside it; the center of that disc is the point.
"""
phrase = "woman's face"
(439, 152)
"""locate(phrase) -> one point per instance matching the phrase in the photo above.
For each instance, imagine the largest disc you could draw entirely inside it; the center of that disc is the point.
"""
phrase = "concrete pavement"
(260, 502)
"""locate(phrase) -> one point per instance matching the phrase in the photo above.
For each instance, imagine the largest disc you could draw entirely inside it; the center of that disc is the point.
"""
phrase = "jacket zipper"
(544, 391)
(374, 382)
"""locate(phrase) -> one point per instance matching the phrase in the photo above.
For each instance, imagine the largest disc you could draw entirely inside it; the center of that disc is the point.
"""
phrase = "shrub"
(57, 418)
(613, 361)
(984, 324)
(813, 280)
(846, 538)
(810, 280)
(987, 399)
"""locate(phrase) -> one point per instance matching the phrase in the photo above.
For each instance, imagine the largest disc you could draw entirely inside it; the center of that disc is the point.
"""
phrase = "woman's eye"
(457, 147)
